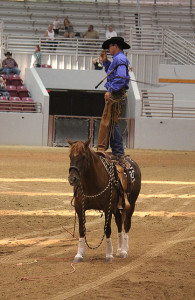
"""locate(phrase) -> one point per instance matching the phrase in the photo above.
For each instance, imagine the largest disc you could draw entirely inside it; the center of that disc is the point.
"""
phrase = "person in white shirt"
(56, 25)
(49, 35)
(110, 32)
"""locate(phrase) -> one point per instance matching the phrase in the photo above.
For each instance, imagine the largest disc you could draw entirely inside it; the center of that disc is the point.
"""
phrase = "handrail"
(178, 48)
(1, 32)
(25, 44)
(162, 105)
(20, 106)
(144, 2)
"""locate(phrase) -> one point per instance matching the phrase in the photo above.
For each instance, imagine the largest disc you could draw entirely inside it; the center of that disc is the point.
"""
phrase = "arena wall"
(150, 133)
(168, 133)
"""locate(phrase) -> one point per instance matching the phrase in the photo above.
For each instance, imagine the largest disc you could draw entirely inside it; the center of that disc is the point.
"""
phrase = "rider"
(116, 85)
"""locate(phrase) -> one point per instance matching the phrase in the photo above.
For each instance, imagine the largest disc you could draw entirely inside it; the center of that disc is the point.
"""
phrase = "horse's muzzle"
(74, 176)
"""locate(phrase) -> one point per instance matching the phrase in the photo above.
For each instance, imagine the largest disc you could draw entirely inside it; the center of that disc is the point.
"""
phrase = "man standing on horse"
(116, 85)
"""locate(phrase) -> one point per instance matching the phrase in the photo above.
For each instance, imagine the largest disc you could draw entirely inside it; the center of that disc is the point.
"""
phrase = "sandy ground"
(36, 252)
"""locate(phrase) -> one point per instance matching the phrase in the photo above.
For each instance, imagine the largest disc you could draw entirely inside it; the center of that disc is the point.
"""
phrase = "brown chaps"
(110, 115)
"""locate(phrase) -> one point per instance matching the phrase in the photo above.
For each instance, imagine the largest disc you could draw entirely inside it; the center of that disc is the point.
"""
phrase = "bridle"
(74, 168)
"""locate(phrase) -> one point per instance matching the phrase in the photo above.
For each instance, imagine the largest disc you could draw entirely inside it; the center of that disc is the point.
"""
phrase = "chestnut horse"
(95, 183)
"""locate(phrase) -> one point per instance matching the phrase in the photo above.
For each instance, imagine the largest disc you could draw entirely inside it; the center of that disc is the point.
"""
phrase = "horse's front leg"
(109, 248)
(81, 245)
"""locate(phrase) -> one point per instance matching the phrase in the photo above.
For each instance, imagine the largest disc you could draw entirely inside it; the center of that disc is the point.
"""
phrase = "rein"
(110, 170)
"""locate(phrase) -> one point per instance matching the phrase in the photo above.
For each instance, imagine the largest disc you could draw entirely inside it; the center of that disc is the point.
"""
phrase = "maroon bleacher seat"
(22, 91)
(46, 66)
(4, 106)
(28, 104)
(16, 104)
(4, 98)
(8, 81)
(15, 80)
(12, 90)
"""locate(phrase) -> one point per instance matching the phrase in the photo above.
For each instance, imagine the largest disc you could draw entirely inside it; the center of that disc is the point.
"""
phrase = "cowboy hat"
(8, 53)
(115, 40)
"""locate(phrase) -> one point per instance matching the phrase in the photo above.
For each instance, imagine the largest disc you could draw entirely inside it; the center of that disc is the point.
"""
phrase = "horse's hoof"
(109, 258)
(118, 252)
(78, 259)
(123, 254)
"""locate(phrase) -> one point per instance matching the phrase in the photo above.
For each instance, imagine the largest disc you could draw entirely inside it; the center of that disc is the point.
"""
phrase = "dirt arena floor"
(36, 252)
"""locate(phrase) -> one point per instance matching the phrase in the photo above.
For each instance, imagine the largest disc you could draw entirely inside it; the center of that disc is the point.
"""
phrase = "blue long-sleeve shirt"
(119, 78)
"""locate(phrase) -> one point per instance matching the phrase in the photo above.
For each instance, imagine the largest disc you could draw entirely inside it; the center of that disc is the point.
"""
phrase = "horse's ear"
(88, 142)
(69, 141)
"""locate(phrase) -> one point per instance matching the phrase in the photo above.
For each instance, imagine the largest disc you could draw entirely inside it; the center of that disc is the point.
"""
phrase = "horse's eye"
(83, 157)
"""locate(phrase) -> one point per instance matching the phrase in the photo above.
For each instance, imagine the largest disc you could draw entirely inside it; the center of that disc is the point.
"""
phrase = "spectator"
(49, 34)
(68, 29)
(91, 33)
(10, 65)
(3, 91)
(37, 57)
(110, 32)
(56, 25)
(98, 63)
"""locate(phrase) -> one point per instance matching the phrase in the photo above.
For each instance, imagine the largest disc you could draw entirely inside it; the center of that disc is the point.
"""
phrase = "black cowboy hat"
(8, 53)
(116, 40)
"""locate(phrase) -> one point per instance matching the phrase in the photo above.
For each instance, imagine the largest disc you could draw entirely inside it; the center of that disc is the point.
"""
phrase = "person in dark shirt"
(10, 65)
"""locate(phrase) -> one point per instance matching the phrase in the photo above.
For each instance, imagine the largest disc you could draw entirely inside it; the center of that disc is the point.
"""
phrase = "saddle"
(126, 176)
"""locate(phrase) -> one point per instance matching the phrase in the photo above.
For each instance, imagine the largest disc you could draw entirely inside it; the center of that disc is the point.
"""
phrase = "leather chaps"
(112, 110)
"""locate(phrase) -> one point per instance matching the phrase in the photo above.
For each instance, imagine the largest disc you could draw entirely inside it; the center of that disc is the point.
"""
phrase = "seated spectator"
(110, 32)
(98, 63)
(3, 91)
(56, 25)
(37, 57)
(90, 33)
(10, 65)
(68, 29)
(50, 35)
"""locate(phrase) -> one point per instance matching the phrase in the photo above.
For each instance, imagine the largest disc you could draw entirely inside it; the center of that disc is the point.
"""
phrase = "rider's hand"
(103, 56)
(107, 96)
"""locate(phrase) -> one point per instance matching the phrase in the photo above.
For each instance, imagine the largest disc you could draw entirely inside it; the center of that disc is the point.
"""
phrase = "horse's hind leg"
(127, 226)
(118, 220)
(109, 248)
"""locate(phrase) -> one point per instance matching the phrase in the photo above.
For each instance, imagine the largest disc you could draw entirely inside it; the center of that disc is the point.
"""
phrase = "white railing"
(162, 105)
(156, 2)
(178, 48)
(146, 38)
(1, 33)
(26, 44)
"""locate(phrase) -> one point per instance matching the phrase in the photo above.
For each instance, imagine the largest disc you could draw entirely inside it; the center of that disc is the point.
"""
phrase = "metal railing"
(20, 107)
(162, 105)
(146, 38)
(136, 2)
(178, 48)
(75, 46)
(1, 33)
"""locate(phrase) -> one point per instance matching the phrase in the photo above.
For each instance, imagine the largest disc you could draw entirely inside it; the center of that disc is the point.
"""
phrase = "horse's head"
(79, 153)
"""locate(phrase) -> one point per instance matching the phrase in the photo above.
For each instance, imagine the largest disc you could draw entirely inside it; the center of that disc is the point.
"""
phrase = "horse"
(96, 186)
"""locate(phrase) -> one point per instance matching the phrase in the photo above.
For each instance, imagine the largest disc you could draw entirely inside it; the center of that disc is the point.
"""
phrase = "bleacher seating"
(29, 104)
(46, 66)
(12, 90)
(15, 80)
(3, 104)
(33, 18)
(8, 81)
(22, 91)
(16, 104)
